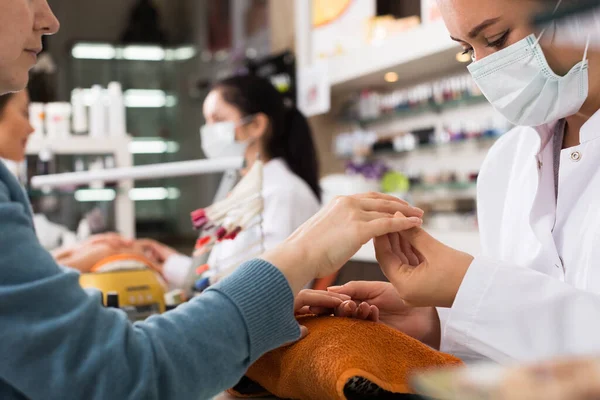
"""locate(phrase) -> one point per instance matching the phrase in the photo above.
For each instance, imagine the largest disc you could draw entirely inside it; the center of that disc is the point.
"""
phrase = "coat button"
(576, 156)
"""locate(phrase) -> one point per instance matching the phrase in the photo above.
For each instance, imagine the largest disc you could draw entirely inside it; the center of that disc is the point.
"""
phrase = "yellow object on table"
(140, 289)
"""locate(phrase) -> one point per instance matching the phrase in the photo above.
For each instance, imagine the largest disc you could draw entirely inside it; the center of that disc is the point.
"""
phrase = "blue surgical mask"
(520, 84)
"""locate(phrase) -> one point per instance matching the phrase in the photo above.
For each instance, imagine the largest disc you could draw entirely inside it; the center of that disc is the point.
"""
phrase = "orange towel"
(342, 359)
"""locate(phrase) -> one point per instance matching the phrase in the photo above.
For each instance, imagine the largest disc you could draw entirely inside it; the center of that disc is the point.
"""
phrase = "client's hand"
(84, 257)
(111, 239)
(329, 239)
(387, 307)
(424, 271)
(317, 302)
(155, 250)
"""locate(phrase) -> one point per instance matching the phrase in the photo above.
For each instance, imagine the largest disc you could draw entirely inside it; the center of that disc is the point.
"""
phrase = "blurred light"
(171, 101)
(140, 98)
(221, 55)
(104, 51)
(92, 195)
(391, 77)
(251, 53)
(154, 194)
(153, 147)
(463, 57)
(172, 147)
(93, 51)
(185, 53)
(144, 53)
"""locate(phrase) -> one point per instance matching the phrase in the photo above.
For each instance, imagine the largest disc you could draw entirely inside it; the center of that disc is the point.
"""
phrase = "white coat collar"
(589, 131)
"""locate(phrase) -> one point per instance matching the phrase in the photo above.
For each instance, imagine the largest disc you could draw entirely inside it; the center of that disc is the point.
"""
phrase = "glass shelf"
(485, 141)
(416, 111)
(452, 186)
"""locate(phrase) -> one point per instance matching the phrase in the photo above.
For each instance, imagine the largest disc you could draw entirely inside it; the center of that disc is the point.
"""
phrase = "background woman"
(246, 116)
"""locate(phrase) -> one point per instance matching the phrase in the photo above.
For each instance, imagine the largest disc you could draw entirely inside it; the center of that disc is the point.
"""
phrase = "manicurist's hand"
(424, 271)
(323, 244)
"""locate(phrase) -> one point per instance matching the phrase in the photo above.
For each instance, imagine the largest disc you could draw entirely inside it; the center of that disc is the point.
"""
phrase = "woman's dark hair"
(290, 136)
(4, 99)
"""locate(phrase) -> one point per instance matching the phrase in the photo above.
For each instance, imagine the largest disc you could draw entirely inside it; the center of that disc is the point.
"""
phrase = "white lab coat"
(288, 203)
(535, 292)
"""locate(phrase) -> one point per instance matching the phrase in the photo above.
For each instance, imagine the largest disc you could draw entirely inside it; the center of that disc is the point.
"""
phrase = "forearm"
(198, 350)
(294, 263)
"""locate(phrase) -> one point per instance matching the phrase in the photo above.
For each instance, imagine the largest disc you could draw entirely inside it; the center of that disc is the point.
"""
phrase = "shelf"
(453, 186)
(422, 51)
(484, 142)
(422, 109)
(76, 145)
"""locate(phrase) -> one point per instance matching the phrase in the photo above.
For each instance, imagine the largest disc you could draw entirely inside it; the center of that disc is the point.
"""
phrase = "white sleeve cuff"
(464, 311)
(176, 270)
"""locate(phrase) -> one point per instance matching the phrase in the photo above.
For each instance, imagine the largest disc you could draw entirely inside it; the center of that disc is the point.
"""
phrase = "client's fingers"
(374, 315)
(390, 207)
(346, 309)
(319, 299)
(362, 311)
(304, 311)
(382, 196)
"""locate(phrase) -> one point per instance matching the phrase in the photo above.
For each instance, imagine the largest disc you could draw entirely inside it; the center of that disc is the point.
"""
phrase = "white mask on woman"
(218, 139)
(519, 83)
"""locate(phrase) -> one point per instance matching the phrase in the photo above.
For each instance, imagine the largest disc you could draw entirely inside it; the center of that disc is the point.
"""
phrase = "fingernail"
(303, 331)
(345, 296)
(417, 209)
(416, 220)
(334, 288)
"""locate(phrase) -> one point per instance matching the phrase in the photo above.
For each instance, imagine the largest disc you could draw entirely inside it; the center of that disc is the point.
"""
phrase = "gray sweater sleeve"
(59, 343)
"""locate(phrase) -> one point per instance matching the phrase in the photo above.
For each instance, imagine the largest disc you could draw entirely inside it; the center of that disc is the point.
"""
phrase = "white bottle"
(116, 110)
(80, 114)
(97, 165)
(97, 112)
(37, 115)
(58, 120)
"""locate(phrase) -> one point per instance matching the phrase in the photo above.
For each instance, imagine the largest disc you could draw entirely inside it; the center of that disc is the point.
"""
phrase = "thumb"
(419, 239)
(303, 332)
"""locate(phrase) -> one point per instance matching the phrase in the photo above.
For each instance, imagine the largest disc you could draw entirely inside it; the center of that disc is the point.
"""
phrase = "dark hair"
(4, 99)
(290, 136)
